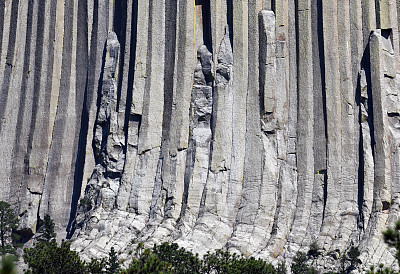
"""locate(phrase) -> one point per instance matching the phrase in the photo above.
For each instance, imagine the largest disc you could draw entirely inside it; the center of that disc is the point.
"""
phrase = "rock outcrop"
(256, 126)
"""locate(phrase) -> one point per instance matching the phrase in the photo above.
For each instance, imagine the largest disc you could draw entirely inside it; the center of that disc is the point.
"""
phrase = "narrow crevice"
(361, 168)
(322, 66)
(190, 160)
(262, 52)
(120, 21)
(229, 4)
(366, 65)
(321, 45)
(132, 60)
(325, 191)
(274, 229)
(207, 34)
(99, 91)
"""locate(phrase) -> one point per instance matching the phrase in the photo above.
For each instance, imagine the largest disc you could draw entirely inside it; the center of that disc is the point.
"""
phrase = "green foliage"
(146, 262)
(391, 236)
(300, 265)
(352, 256)
(181, 261)
(86, 204)
(169, 258)
(251, 265)
(314, 250)
(8, 225)
(48, 257)
(46, 230)
(225, 262)
(349, 260)
(96, 266)
(7, 265)
(112, 263)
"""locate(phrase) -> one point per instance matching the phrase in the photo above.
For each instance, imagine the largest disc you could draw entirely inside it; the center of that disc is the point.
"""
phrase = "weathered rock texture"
(256, 126)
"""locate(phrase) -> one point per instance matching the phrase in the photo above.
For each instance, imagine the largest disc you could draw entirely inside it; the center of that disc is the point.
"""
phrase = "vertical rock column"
(59, 182)
(245, 232)
(292, 56)
(150, 132)
(285, 179)
(129, 191)
(379, 43)
(385, 107)
(15, 107)
(349, 187)
(15, 30)
(219, 20)
(367, 175)
(366, 115)
(267, 81)
(319, 141)
(174, 150)
(333, 121)
(305, 157)
(240, 85)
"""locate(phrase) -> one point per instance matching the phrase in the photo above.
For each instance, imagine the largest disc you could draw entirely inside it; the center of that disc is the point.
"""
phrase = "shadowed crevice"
(207, 34)
(361, 164)
(120, 21)
(230, 19)
(132, 60)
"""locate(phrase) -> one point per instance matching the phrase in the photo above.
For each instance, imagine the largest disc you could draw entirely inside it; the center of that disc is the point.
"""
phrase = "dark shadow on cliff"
(120, 21)
(366, 66)
(132, 60)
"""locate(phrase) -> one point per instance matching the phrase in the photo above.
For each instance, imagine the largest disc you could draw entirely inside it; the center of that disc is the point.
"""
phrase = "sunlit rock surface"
(255, 126)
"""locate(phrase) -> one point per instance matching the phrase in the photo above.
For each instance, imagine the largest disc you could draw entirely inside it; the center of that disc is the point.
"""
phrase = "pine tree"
(8, 224)
(112, 264)
(46, 229)
(47, 257)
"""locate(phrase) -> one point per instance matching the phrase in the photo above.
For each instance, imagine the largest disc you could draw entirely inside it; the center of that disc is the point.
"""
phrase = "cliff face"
(259, 126)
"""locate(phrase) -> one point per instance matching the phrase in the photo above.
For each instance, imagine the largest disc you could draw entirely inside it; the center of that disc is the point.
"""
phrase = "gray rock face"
(254, 126)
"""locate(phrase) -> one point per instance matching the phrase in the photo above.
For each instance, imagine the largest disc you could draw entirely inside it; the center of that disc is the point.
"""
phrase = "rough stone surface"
(255, 126)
